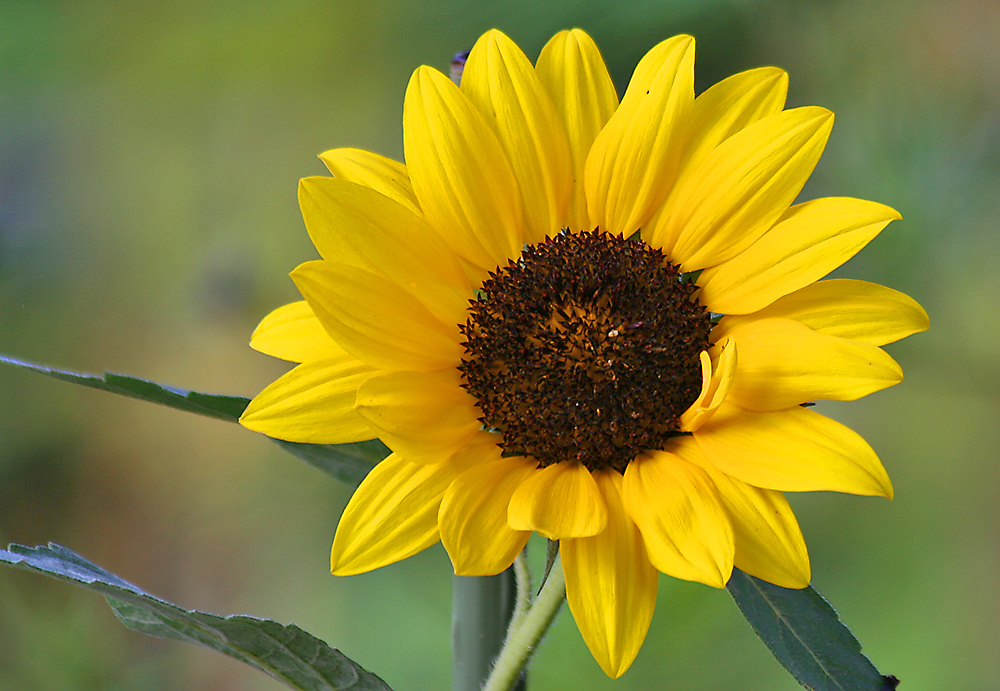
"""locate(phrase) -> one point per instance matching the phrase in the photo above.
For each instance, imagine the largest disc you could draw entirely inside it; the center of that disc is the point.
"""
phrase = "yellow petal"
(425, 417)
(732, 196)
(633, 162)
(312, 404)
(351, 224)
(706, 385)
(863, 311)
(292, 332)
(379, 173)
(714, 387)
(501, 81)
(677, 508)
(376, 320)
(784, 363)
(473, 515)
(810, 241)
(769, 543)
(558, 501)
(721, 111)
(392, 515)
(734, 103)
(794, 450)
(610, 584)
(574, 74)
(460, 173)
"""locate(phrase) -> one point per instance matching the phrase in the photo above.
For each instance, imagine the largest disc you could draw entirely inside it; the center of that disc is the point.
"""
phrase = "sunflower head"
(594, 319)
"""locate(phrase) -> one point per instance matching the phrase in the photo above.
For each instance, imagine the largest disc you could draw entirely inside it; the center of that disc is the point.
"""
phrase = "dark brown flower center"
(586, 348)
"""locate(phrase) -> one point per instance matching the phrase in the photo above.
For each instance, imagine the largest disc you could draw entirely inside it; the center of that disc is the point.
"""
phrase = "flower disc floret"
(586, 348)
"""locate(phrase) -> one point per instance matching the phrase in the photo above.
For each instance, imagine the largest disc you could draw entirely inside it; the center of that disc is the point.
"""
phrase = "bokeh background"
(149, 155)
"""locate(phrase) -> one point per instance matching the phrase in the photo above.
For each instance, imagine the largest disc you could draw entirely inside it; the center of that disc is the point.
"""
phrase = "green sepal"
(348, 463)
(283, 651)
(551, 554)
(806, 636)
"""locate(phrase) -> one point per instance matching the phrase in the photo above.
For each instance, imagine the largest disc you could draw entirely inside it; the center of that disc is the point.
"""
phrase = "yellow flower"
(594, 320)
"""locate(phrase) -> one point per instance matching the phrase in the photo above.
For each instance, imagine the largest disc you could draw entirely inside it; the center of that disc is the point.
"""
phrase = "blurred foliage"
(148, 159)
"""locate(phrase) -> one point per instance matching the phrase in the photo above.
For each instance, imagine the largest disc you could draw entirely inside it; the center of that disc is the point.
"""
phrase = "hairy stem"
(524, 634)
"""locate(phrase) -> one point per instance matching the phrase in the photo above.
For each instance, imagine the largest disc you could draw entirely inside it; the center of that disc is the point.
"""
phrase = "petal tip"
(615, 668)
(245, 422)
(922, 320)
(719, 577)
(774, 73)
(687, 40)
(887, 490)
(336, 567)
(803, 580)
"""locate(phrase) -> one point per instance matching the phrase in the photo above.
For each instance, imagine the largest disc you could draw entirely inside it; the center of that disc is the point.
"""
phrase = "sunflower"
(600, 321)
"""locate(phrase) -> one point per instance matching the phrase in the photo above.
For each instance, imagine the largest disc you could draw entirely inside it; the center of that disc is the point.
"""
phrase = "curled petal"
(392, 515)
(794, 450)
(610, 584)
(706, 386)
(677, 508)
(558, 501)
(714, 387)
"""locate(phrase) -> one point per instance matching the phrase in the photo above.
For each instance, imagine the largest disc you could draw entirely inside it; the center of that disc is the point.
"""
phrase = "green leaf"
(221, 407)
(285, 652)
(806, 636)
(348, 463)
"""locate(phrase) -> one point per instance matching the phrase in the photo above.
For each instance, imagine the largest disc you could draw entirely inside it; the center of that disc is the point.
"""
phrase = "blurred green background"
(149, 155)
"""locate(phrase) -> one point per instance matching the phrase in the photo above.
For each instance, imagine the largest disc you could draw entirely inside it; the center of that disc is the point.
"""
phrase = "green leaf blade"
(348, 463)
(285, 652)
(221, 407)
(806, 636)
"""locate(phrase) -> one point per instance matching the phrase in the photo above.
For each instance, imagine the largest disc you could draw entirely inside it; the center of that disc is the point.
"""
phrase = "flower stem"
(525, 633)
(522, 599)
(481, 608)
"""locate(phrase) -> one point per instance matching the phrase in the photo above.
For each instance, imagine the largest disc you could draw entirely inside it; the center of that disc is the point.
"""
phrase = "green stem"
(522, 599)
(481, 609)
(525, 633)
